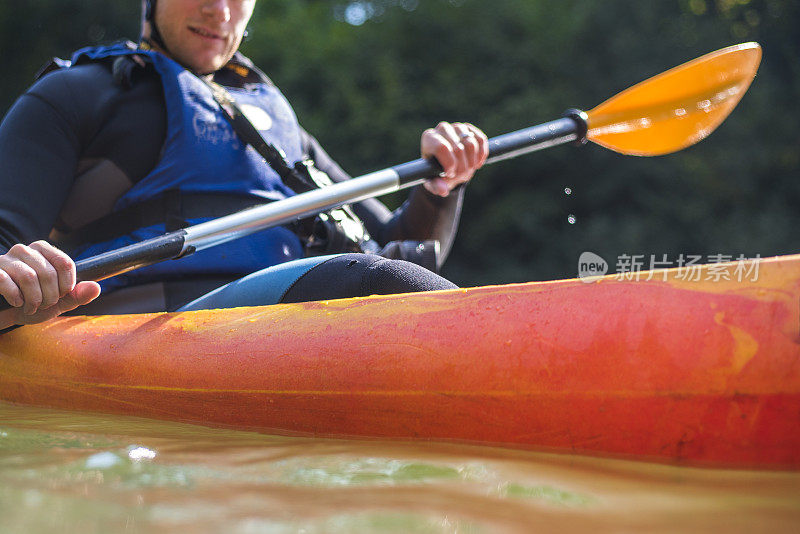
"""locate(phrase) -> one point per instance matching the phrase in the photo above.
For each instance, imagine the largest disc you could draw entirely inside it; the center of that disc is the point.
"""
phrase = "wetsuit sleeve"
(38, 154)
(70, 120)
(423, 216)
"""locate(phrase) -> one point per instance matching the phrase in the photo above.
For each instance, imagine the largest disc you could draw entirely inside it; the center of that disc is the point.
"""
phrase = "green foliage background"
(368, 90)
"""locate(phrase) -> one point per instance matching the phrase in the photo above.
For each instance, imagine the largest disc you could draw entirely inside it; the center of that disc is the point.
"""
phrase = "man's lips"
(208, 34)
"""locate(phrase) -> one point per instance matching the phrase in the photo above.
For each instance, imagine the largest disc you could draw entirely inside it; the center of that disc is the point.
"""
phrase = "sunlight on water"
(70, 472)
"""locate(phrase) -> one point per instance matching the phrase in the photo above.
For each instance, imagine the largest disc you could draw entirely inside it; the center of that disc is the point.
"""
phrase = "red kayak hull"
(701, 372)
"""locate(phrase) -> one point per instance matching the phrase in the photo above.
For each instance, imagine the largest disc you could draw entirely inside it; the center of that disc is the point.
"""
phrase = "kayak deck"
(702, 372)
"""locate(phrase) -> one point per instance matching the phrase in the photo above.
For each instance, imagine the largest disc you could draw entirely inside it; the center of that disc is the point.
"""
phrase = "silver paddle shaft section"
(224, 229)
(230, 227)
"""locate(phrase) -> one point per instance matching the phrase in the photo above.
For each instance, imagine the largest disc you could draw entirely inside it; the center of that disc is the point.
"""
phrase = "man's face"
(203, 34)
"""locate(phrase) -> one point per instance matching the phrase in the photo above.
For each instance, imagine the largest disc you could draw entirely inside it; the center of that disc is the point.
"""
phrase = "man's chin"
(201, 63)
(207, 67)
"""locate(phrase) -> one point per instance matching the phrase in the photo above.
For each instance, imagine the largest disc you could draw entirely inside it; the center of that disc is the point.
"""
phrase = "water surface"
(85, 473)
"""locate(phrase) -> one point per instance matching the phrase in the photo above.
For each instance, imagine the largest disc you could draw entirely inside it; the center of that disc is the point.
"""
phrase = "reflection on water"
(68, 472)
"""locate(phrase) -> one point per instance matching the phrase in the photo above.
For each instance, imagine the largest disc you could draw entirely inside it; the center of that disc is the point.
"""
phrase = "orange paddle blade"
(677, 108)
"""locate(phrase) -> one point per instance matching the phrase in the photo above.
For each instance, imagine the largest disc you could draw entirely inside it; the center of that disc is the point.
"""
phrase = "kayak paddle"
(663, 114)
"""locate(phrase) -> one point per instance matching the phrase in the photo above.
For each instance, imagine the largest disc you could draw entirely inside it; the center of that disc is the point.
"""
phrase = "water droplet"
(141, 453)
(567, 191)
(571, 219)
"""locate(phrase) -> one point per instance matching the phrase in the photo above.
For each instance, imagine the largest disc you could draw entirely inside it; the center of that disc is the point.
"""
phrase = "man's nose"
(219, 10)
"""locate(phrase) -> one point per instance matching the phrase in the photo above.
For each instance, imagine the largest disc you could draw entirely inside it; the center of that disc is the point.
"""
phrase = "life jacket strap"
(251, 136)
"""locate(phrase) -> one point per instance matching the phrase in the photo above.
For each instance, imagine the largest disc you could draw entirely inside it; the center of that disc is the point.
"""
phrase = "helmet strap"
(155, 35)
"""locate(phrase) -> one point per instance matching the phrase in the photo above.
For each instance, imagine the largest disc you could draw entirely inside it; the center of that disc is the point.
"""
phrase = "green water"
(69, 472)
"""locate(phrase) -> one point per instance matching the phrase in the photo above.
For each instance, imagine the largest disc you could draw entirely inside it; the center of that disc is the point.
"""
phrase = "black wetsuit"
(78, 133)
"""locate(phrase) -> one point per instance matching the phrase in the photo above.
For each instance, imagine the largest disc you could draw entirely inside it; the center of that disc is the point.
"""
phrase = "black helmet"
(149, 10)
(150, 16)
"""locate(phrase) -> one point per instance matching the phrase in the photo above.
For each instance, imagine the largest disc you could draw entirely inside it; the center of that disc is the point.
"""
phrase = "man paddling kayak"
(130, 141)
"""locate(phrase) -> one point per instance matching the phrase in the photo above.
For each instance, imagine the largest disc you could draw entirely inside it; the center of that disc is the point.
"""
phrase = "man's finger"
(471, 148)
(437, 186)
(436, 145)
(43, 284)
(63, 264)
(26, 279)
(483, 143)
(9, 289)
(83, 293)
(450, 134)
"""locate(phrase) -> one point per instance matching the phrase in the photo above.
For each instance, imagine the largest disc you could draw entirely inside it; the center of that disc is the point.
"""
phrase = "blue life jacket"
(202, 154)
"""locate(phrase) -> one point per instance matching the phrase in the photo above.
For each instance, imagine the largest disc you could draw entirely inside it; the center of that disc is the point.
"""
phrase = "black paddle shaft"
(114, 262)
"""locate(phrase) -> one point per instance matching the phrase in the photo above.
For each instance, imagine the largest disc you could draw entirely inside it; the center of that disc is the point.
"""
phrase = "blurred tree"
(33, 32)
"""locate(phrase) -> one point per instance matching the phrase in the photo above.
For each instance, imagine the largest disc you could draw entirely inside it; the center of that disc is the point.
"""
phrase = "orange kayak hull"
(672, 369)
